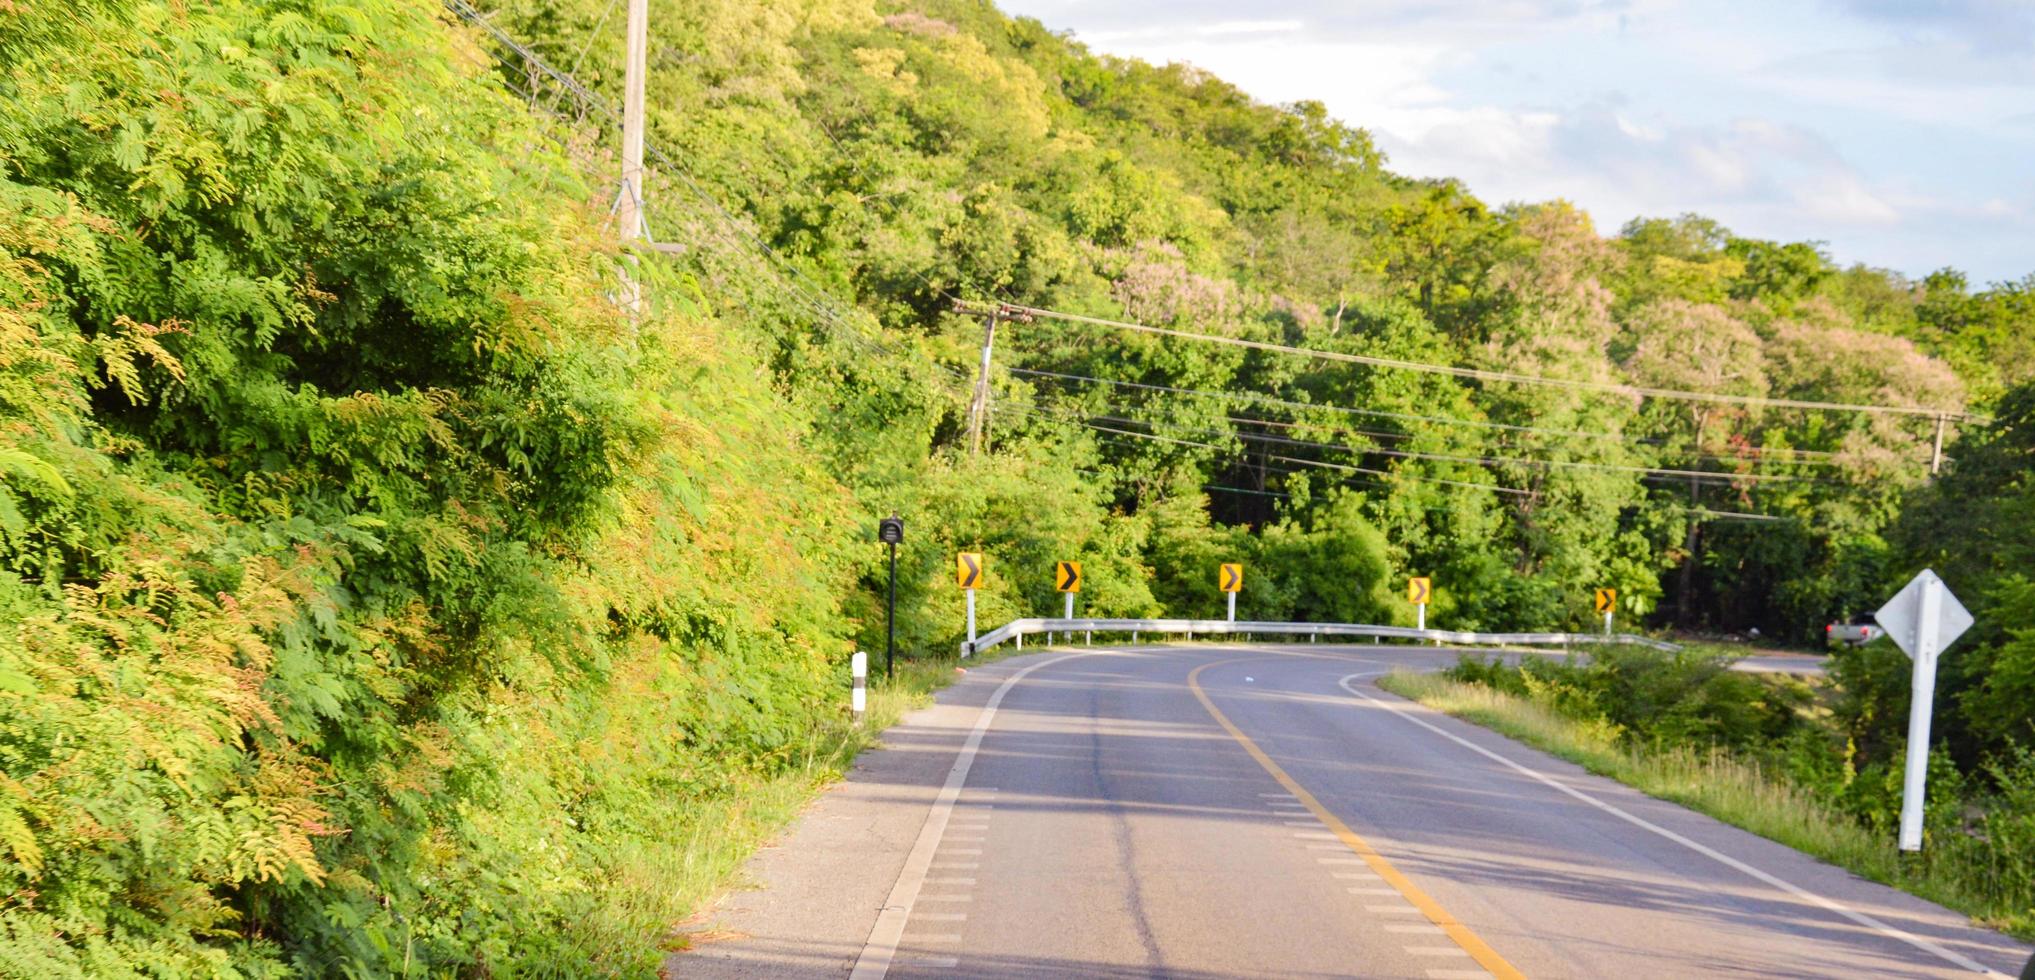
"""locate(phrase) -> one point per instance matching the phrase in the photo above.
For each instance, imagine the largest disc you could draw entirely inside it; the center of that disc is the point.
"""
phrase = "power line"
(1261, 398)
(1264, 399)
(1509, 377)
(1477, 460)
(1343, 467)
(1281, 424)
(1388, 474)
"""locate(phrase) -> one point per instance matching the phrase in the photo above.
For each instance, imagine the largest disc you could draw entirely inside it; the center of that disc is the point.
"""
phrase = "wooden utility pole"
(978, 406)
(1936, 456)
(629, 208)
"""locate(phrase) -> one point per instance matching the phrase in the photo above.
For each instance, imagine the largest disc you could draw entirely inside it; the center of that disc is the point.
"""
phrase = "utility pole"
(978, 407)
(629, 207)
(1936, 457)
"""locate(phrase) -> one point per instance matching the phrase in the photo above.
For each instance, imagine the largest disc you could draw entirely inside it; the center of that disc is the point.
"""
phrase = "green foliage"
(1976, 528)
(1687, 698)
(369, 582)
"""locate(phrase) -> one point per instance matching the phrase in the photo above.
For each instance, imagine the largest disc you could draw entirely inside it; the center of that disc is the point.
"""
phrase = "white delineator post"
(858, 666)
(970, 648)
(1232, 606)
(1921, 702)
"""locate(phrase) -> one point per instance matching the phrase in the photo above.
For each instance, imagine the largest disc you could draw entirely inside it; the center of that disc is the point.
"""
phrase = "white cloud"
(1900, 139)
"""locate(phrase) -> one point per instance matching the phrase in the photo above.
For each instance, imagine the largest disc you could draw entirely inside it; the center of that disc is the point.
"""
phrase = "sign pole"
(1070, 604)
(1921, 701)
(1232, 606)
(971, 622)
(1607, 622)
(890, 620)
(890, 531)
(1420, 616)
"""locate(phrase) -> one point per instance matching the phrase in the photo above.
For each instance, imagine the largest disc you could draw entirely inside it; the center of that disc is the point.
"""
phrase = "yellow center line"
(1480, 951)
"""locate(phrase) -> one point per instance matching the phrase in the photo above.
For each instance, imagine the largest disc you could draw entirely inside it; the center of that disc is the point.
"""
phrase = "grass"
(1734, 790)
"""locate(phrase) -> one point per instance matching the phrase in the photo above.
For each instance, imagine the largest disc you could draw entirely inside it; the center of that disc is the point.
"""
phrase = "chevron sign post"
(968, 574)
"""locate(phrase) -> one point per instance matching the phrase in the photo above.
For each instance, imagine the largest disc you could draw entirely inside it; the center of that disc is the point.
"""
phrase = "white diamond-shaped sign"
(1902, 615)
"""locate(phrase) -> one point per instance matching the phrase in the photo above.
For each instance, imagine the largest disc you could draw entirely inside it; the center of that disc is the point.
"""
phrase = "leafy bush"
(368, 580)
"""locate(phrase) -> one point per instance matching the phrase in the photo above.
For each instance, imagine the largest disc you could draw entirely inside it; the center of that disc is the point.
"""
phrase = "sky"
(1899, 133)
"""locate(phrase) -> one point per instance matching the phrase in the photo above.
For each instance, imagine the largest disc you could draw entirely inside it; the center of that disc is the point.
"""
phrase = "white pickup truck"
(1858, 632)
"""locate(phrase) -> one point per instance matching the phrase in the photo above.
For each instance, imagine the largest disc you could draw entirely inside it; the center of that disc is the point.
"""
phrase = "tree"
(1686, 346)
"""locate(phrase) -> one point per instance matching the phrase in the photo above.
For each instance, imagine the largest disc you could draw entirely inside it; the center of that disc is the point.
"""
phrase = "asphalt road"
(1201, 811)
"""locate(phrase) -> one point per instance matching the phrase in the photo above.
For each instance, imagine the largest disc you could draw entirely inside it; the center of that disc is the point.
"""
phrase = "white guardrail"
(1018, 629)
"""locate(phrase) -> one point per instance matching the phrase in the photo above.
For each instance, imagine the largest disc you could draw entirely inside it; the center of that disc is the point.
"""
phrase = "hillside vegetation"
(380, 600)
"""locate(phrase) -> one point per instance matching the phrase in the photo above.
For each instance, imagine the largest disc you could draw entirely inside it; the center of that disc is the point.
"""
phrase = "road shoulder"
(803, 905)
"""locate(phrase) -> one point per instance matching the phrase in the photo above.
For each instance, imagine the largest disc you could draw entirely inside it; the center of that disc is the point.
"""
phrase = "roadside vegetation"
(1771, 754)
(377, 599)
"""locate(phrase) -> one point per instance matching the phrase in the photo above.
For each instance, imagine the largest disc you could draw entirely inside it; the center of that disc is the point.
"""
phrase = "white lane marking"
(1423, 929)
(956, 865)
(1329, 847)
(1340, 860)
(1374, 891)
(1314, 835)
(1949, 955)
(946, 898)
(1435, 951)
(1392, 909)
(1359, 876)
(1457, 974)
(884, 936)
(950, 881)
(942, 916)
(960, 851)
(1303, 823)
(1276, 796)
(938, 962)
(965, 838)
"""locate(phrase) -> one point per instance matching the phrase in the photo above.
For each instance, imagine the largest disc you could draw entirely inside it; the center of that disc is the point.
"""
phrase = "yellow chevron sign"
(1418, 591)
(1607, 600)
(968, 569)
(1231, 578)
(1067, 576)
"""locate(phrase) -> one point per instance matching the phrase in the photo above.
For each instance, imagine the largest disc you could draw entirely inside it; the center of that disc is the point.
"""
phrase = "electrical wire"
(1482, 374)
(1389, 474)
(1264, 399)
(1477, 460)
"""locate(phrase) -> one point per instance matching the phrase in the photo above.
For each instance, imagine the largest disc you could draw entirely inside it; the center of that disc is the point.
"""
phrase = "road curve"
(1208, 811)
